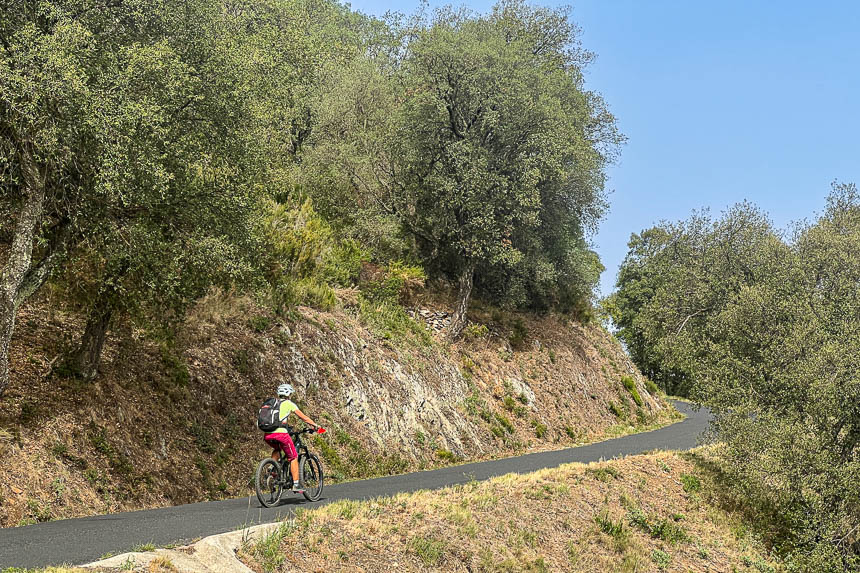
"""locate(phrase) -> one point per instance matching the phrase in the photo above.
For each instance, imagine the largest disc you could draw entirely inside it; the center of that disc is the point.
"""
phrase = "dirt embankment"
(172, 421)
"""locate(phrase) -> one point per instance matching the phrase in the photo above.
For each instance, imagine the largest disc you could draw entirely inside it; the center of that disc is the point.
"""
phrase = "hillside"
(659, 512)
(171, 420)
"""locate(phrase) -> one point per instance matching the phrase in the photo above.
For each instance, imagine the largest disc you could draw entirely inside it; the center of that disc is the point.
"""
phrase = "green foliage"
(665, 529)
(517, 339)
(499, 182)
(303, 259)
(505, 423)
(540, 429)
(392, 286)
(651, 387)
(379, 305)
(630, 384)
(617, 410)
(661, 558)
(614, 529)
(692, 484)
(761, 327)
(474, 331)
(604, 474)
(447, 456)
(260, 323)
(428, 549)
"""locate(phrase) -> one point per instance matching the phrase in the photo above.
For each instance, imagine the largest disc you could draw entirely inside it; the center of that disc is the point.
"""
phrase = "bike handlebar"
(310, 431)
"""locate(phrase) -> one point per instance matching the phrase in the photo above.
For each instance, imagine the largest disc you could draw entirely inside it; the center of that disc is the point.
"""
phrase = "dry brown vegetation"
(656, 512)
(125, 440)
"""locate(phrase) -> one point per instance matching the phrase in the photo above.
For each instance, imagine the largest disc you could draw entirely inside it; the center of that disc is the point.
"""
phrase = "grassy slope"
(643, 513)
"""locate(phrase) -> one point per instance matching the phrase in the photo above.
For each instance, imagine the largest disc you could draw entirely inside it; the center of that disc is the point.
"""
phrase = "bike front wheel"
(311, 472)
(268, 483)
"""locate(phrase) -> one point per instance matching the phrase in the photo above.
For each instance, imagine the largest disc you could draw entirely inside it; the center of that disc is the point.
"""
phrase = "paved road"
(85, 539)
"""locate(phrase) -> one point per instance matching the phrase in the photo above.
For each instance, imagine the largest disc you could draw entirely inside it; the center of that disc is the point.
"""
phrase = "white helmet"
(285, 390)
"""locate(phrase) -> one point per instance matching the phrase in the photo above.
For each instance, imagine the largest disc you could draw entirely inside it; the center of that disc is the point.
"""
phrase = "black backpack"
(269, 416)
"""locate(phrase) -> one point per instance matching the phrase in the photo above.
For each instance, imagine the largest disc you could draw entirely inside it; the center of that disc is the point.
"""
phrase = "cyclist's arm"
(304, 418)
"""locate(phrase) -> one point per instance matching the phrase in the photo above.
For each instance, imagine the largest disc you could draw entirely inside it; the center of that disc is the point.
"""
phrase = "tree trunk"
(89, 355)
(20, 258)
(458, 321)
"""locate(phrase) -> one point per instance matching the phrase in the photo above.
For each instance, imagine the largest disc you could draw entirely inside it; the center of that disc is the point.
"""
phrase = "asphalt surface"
(83, 540)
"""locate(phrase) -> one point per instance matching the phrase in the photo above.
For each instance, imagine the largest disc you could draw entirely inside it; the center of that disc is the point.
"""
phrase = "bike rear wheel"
(311, 472)
(268, 483)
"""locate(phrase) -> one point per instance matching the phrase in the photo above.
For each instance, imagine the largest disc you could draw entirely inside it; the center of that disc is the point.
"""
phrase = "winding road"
(85, 539)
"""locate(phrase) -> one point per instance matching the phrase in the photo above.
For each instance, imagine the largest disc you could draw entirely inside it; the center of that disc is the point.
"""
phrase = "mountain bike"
(274, 477)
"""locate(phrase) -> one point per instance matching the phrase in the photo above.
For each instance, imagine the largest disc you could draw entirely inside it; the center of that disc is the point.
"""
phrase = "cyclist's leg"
(275, 444)
(292, 456)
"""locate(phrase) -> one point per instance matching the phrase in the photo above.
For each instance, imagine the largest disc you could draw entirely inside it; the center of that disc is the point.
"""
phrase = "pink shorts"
(281, 441)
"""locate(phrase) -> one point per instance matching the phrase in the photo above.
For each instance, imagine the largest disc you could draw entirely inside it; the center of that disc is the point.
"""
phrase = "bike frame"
(301, 450)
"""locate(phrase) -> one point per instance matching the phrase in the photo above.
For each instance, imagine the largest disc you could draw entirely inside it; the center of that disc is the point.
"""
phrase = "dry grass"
(626, 515)
(161, 564)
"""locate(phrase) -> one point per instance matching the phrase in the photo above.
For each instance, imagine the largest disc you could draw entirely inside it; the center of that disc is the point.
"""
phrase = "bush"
(398, 279)
(604, 474)
(664, 529)
(505, 423)
(389, 321)
(692, 484)
(651, 387)
(630, 384)
(617, 410)
(475, 331)
(540, 429)
(661, 558)
(517, 339)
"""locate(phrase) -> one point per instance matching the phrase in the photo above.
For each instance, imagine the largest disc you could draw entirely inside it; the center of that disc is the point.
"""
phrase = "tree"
(677, 275)
(479, 140)
(118, 132)
(766, 332)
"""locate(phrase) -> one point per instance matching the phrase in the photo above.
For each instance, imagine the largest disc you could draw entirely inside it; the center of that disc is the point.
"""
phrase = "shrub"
(617, 410)
(661, 558)
(389, 321)
(691, 483)
(604, 474)
(664, 529)
(651, 387)
(630, 384)
(260, 322)
(505, 423)
(540, 429)
(518, 336)
(308, 291)
(614, 529)
(475, 331)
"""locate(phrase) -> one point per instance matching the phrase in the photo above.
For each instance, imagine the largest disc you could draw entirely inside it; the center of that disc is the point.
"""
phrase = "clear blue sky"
(721, 102)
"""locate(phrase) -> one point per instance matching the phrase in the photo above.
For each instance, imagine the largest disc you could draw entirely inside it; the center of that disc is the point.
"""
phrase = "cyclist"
(280, 439)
